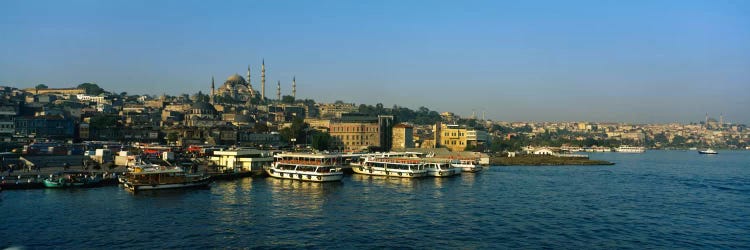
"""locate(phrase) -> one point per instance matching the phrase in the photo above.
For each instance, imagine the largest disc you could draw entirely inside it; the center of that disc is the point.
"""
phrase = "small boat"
(708, 152)
(441, 169)
(629, 149)
(397, 167)
(162, 177)
(467, 165)
(307, 167)
(72, 179)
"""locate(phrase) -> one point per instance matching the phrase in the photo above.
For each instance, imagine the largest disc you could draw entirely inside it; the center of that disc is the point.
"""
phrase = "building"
(357, 132)
(336, 109)
(242, 160)
(457, 138)
(63, 91)
(403, 136)
(48, 126)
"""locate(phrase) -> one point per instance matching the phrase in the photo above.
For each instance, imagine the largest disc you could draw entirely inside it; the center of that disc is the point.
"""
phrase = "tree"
(296, 131)
(287, 99)
(172, 137)
(261, 127)
(91, 88)
(41, 86)
(321, 140)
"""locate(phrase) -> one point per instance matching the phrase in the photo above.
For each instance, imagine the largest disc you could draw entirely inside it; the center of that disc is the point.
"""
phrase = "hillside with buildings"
(236, 113)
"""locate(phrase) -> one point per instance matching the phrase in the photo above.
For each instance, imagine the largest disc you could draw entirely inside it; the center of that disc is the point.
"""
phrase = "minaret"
(263, 80)
(294, 87)
(721, 120)
(278, 90)
(249, 84)
(213, 91)
(706, 124)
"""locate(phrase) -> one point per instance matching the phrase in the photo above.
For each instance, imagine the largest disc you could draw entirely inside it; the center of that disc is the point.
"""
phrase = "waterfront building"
(242, 160)
(403, 136)
(457, 138)
(46, 126)
(355, 132)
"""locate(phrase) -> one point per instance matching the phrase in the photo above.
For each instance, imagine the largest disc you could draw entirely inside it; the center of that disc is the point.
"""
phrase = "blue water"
(659, 199)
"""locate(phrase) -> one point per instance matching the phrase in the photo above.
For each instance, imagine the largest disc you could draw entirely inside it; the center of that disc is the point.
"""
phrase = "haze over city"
(627, 61)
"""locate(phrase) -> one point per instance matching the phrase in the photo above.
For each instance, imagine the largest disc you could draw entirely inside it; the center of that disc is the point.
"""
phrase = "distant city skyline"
(619, 61)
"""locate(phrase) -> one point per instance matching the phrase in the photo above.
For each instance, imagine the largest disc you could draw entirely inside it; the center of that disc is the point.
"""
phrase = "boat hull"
(305, 176)
(468, 168)
(444, 172)
(203, 182)
(63, 184)
(389, 172)
(707, 153)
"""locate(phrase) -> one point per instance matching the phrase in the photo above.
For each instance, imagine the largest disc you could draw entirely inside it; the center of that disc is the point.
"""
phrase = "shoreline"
(545, 160)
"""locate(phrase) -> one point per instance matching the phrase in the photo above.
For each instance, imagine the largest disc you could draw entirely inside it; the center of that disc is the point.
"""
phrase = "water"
(659, 199)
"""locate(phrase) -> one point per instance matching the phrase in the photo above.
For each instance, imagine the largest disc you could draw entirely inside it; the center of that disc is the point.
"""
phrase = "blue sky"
(628, 61)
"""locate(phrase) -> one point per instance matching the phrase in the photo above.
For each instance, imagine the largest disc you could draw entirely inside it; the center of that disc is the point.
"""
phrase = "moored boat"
(162, 177)
(307, 167)
(72, 179)
(398, 167)
(467, 165)
(441, 169)
(630, 149)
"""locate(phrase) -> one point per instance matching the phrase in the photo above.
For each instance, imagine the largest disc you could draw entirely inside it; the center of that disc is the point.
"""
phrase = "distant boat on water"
(630, 149)
(708, 152)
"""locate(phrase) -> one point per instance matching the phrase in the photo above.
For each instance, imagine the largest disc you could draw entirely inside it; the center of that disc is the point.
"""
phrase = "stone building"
(403, 136)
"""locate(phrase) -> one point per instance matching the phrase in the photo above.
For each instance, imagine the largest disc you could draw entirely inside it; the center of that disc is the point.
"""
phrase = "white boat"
(708, 152)
(398, 167)
(630, 149)
(162, 177)
(307, 167)
(467, 165)
(441, 169)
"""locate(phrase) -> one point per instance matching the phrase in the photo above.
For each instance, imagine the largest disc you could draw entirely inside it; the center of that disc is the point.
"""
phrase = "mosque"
(241, 89)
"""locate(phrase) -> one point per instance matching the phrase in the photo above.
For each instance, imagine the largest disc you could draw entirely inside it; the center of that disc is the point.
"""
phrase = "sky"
(619, 61)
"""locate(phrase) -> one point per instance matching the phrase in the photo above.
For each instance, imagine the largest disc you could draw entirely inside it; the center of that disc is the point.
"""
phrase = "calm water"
(660, 199)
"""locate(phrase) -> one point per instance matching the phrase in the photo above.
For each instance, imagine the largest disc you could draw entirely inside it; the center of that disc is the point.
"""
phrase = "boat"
(708, 152)
(630, 149)
(162, 177)
(398, 167)
(467, 165)
(441, 169)
(307, 167)
(72, 179)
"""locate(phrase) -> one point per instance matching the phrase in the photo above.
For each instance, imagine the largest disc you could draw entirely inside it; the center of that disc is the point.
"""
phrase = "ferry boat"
(70, 179)
(467, 165)
(307, 167)
(708, 152)
(441, 169)
(398, 167)
(630, 149)
(161, 177)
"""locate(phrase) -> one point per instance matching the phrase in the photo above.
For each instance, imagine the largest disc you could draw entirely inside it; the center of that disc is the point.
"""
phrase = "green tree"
(41, 86)
(91, 88)
(321, 140)
(172, 137)
(287, 99)
(296, 131)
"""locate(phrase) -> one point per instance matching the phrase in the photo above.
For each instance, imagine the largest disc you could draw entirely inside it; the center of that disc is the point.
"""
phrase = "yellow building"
(456, 138)
(63, 91)
(403, 136)
(452, 137)
(354, 136)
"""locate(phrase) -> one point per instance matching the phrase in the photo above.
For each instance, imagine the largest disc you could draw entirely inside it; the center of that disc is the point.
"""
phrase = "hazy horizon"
(635, 62)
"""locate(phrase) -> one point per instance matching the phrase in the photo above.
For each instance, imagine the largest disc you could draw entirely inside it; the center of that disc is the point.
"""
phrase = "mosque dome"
(235, 79)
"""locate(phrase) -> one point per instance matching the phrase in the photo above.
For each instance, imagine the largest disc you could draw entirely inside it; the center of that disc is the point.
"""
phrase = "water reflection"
(309, 196)
(389, 181)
